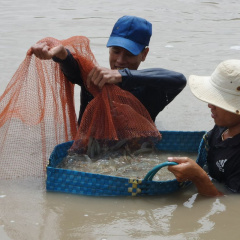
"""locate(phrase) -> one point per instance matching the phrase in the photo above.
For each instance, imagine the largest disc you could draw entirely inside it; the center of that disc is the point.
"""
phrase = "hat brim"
(203, 89)
(133, 47)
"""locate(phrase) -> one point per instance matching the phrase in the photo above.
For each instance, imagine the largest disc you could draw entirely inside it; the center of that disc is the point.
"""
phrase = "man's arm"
(188, 170)
(61, 55)
(70, 68)
(157, 78)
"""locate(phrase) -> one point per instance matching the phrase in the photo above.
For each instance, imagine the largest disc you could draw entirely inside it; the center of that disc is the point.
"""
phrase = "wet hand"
(100, 76)
(187, 169)
(42, 51)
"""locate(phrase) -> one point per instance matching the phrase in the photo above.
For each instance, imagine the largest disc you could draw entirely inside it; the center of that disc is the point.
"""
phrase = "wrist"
(118, 76)
(62, 54)
(204, 185)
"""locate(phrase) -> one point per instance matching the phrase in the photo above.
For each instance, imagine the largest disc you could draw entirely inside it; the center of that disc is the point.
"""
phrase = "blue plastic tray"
(76, 182)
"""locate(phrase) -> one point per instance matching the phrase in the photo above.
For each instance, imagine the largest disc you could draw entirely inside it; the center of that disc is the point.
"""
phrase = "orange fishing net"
(37, 112)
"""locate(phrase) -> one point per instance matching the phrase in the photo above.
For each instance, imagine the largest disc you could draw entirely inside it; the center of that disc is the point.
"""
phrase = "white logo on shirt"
(220, 164)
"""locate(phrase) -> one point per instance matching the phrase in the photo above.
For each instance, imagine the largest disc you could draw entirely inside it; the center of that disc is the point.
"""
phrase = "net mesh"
(37, 112)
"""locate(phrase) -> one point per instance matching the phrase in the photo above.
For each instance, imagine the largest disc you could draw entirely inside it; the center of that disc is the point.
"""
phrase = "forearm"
(70, 68)
(188, 170)
(159, 78)
(204, 185)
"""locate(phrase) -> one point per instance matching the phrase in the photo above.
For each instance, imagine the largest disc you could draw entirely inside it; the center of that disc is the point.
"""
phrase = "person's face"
(120, 58)
(223, 118)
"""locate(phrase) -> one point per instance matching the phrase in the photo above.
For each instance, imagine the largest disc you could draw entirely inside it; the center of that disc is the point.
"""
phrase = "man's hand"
(188, 169)
(99, 76)
(43, 51)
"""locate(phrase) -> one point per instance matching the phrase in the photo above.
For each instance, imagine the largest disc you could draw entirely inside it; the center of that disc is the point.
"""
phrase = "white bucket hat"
(222, 88)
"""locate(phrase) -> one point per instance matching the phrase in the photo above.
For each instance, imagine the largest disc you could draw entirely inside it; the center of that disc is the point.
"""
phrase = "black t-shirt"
(224, 158)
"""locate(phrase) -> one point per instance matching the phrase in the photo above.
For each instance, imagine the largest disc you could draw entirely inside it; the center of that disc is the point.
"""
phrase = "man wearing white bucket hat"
(221, 91)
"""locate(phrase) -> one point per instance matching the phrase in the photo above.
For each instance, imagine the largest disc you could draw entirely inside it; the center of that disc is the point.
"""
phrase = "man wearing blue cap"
(128, 47)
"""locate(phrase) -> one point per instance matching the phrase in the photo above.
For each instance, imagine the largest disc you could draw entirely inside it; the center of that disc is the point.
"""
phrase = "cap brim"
(133, 47)
(202, 88)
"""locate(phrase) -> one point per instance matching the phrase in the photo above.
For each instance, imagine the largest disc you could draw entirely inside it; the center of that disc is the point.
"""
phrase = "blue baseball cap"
(132, 33)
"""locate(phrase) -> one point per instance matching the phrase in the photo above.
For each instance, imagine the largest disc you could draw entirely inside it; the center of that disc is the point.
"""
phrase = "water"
(119, 164)
(189, 36)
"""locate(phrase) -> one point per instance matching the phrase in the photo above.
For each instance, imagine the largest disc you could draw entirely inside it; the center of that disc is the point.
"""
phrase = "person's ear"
(145, 53)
